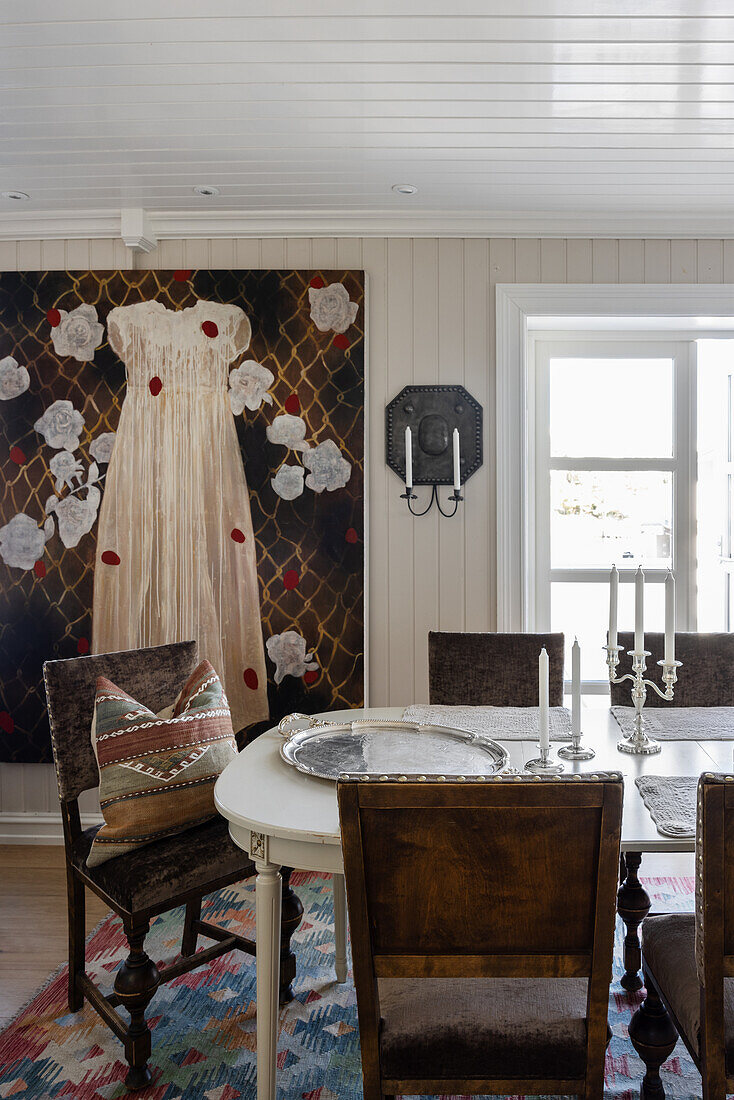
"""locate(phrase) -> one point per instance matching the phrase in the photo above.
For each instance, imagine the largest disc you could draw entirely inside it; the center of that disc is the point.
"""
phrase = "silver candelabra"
(638, 742)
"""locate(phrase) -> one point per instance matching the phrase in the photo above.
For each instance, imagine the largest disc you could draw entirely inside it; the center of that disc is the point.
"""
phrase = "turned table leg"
(291, 915)
(633, 905)
(267, 965)
(653, 1036)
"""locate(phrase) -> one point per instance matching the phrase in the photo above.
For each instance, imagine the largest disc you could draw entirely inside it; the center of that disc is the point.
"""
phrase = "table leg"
(340, 927)
(267, 917)
(633, 905)
(291, 914)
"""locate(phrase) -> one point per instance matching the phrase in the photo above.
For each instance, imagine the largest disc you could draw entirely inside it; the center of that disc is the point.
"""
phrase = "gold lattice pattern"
(46, 615)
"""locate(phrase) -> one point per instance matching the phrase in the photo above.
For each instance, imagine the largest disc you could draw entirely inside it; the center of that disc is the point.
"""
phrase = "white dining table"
(284, 818)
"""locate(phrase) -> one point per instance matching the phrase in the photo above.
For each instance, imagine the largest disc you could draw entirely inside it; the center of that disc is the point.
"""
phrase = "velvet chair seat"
(668, 944)
(149, 877)
(483, 1027)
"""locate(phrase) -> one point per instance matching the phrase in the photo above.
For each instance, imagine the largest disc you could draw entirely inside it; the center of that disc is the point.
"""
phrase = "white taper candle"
(543, 716)
(613, 599)
(457, 462)
(639, 610)
(669, 618)
(408, 459)
(576, 688)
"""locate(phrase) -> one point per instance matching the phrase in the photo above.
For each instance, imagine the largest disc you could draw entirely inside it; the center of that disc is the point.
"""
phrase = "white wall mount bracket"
(136, 230)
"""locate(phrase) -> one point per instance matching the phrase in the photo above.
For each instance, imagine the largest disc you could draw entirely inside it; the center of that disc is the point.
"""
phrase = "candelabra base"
(636, 746)
(576, 752)
(543, 766)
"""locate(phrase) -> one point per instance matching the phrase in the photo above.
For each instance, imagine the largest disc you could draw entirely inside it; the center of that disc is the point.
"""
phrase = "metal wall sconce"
(438, 429)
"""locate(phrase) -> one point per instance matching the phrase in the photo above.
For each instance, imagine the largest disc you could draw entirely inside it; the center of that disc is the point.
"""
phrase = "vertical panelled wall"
(431, 320)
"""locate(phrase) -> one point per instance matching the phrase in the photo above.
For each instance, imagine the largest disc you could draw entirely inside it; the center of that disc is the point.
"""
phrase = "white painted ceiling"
(517, 109)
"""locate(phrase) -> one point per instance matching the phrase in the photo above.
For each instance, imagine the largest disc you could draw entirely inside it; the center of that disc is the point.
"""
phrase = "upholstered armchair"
(492, 670)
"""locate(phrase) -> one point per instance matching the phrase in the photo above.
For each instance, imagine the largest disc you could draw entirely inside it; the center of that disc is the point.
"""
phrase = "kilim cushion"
(156, 773)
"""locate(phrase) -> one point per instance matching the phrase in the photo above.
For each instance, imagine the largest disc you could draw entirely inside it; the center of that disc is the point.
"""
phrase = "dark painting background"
(320, 536)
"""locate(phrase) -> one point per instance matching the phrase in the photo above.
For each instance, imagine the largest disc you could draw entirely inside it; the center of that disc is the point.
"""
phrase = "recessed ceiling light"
(404, 188)
(18, 196)
(206, 190)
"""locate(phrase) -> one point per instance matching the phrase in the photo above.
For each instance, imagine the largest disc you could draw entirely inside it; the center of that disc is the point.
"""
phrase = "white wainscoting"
(431, 320)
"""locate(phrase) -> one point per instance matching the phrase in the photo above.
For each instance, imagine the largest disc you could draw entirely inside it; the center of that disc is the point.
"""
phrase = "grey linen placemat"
(681, 723)
(671, 802)
(499, 723)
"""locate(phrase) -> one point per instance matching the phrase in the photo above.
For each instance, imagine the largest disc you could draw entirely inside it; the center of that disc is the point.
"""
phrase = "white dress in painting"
(175, 549)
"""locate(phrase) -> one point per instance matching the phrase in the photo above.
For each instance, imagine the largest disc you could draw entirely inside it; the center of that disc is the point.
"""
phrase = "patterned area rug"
(204, 1022)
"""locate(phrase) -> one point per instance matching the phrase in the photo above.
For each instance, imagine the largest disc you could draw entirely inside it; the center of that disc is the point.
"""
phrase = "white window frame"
(658, 307)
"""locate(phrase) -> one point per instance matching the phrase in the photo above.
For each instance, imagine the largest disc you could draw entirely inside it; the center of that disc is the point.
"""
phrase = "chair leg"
(77, 962)
(193, 914)
(653, 1036)
(291, 914)
(135, 983)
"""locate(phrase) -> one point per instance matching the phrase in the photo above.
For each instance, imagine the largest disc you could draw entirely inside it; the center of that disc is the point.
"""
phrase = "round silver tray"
(386, 747)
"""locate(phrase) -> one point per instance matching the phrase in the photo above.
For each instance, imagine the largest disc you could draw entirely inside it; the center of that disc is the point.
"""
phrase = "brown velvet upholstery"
(705, 680)
(492, 670)
(154, 676)
(668, 944)
(149, 877)
(482, 1027)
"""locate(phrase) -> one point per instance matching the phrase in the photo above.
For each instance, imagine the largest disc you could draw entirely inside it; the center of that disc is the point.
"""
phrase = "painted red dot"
(155, 385)
(341, 341)
(182, 276)
(109, 557)
(7, 725)
(312, 676)
(236, 535)
(53, 317)
(82, 647)
(209, 329)
(317, 282)
(250, 678)
(40, 570)
(293, 405)
(291, 579)
(17, 456)
(351, 535)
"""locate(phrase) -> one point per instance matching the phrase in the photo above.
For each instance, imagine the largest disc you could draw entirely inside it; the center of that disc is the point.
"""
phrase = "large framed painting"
(182, 456)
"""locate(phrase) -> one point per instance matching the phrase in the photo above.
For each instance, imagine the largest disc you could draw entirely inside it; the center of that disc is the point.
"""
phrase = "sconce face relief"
(432, 413)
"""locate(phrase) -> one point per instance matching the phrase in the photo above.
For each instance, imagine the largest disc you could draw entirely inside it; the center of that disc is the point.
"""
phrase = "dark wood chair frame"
(543, 959)
(138, 978)
(654, 1028)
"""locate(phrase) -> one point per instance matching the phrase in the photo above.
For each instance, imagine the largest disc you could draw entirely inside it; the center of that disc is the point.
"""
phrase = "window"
(613, 482)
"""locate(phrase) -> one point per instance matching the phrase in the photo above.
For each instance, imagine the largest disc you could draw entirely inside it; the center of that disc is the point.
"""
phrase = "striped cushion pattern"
(157, 771)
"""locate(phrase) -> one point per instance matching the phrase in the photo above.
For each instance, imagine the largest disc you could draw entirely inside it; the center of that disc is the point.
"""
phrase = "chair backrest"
(492, 670)
(706, 678)
(153, 676)
(502, 878)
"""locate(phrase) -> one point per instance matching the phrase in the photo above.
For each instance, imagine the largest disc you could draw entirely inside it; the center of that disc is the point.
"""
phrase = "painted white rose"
(75, 517)
(14, 379)
(328, 469)
(101, 448)
(288, 653)
(289, 431)
(248, 386)
(331, 307)
(65, 469)
(78, 333)
(21, 542)
(61, 425)
(288, 482)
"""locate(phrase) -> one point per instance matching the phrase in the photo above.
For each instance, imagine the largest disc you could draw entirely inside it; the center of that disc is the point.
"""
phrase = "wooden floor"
(33, 916)
(33, 921)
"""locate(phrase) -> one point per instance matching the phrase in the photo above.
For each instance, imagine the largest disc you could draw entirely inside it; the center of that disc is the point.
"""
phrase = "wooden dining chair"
(688, 960)
(492, 670)
(705, 680)
(138, 886)
(491, 976)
